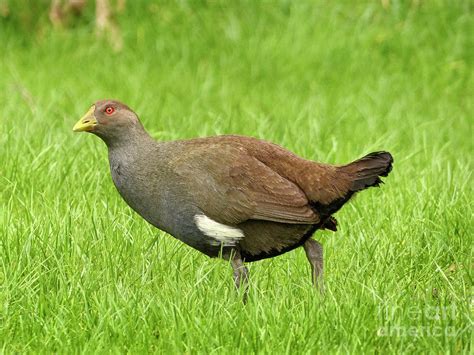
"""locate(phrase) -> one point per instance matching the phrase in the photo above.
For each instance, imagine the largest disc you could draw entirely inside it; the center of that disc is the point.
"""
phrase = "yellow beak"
(87, 122)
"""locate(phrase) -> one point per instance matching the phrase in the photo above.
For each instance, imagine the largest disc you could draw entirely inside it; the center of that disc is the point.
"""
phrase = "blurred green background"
(331, 81)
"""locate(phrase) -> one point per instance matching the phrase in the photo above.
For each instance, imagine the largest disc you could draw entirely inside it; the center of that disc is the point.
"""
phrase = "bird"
(235, 197)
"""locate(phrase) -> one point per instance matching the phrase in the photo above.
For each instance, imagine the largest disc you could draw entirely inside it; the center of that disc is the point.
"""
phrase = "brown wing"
(231, 186)
(322, 184)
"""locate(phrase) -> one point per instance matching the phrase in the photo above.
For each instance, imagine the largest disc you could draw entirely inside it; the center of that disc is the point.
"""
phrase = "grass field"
(81, 272)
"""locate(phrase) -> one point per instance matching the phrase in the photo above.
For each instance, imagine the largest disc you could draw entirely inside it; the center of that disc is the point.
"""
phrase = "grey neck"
(132, 136)
(127, 145)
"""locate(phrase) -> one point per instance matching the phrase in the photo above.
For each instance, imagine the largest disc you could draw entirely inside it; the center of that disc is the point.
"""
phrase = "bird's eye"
(109, 110)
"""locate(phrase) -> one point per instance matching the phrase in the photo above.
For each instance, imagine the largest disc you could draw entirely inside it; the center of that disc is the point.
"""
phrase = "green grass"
(81, 272)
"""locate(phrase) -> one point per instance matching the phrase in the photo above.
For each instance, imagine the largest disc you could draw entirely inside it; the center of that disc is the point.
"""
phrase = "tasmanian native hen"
(240, 198)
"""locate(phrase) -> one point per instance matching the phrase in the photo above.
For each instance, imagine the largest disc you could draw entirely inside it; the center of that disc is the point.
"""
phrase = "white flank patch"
(223, 234)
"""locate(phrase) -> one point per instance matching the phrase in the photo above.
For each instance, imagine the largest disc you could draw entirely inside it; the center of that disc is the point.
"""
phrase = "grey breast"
(148, 186)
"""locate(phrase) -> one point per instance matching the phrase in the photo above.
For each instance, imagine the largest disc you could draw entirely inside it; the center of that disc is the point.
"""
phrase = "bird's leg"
(314, 253)
(241, 273)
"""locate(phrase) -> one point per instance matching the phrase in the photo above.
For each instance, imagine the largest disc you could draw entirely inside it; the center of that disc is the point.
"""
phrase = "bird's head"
(109, 119)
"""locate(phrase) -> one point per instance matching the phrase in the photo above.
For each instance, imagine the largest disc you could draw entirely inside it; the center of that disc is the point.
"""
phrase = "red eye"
(109, 110)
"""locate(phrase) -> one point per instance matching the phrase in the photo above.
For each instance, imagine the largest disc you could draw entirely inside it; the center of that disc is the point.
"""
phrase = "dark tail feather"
(365, 172)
